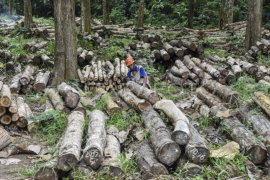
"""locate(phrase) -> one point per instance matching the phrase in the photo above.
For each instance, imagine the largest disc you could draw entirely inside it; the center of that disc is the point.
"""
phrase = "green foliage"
(236, 39)
(129, 166)
(36, 97)
(24, 172)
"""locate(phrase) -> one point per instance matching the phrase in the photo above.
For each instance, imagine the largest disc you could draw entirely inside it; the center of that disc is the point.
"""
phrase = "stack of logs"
(113, 30)
(103, 74)
(95, 39)
(262, 47)
(43, 31)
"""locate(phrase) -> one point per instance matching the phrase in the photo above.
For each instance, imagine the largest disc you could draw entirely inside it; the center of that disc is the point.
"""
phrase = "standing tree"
(65, 56)
(11, 7)
(191, 14)
(226, 13)
(28, 19)
(86, 16)
(254, 23)
(140, 17)
(106, 12)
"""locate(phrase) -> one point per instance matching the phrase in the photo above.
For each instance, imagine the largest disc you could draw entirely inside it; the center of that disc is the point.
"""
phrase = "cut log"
(266, 43)
(168, 48)
(117, 73)
(80, 76)
(176, 80)
(93, 153)
(30, 44)
(157, 54)
(57, 101)
(100, 73)
(133, 45)
(262, 100)
(112, 152)
(237, 71)
(181, 133)
(79, 51)
(123, 68)
(240, 134)
(189, 45)
(13, 106)
(41, 81)
(230, 77)
(89, 56)
(2, 111)
(45, 59)
(70, 149)
(111, 68)
(26, 76)
(111, 106)
(194, 78)
(81, 58)
(70, 95)
(178, 52)
(165, 56)
(6, 119)
(5, 100)
(183, 72)
(214, 59)
(166, 150)
(196, 149)
(198, 71)
(210, 69)
(148, 164)
(22, 122)
(39, 46)
(132, 100)
(206, 78)
(222, 70)
(177, 43)
(5, 139)
(207, 97)
(158, 37)
(222, 91)
(143, 92)
(86, 70)
(188, 63)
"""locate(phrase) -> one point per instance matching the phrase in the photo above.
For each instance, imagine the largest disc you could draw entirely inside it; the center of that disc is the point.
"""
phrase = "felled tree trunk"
(207, 97)
(183, 72)
(112, 153)
(6, 119)
(28, 19)
(5, 139)
(13, 106)
(93, 153)
(132, 100)
(143, 92)
(70, 150)
(41, 81)
(240, 134)
(5, 100)
(71, 96)
(166, 150)
(57, 101)
(177, 43)
(176, 80)
(196, 149)
(249, 68)
(189, 45)
(111, 107)
(148, 163)
(181, 133)
(22, 122)
(85, 16)
(164, 55)
(262, 100)
(254, 23)
(223, 91)
(27, 75)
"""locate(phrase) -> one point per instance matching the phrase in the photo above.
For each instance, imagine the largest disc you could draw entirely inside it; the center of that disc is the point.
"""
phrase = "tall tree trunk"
(65, 41)
(28, 19)
(254, 23)
(191, 14)
(86, 16)
(226, 13)
(11, 7)
(141, 9)
(106, 12)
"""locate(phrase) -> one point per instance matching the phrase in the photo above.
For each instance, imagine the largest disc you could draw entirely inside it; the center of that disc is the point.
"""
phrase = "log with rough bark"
(196, 149)
(188, 63)
(111, 68)
(2, 111)
(157, 54)
(117, 72)
(177, 43)
(39, 46)
(166, 150)
(181, 133)
(13, 106)
(5, 95)
(168, 48)
(240, 134)
(132, 100)
(266, 43)
(198, 71)
(189, 45)
(5, 139)
(262, 100)
(93, 153)
(57, 100)
(81, 58)
(143, 92)
(237, 71)
(123, 68)
(209, 69)
(249, 68)
(148, 163)
(86, 73)
(70, 95)
(89, 56)
(80, 76)
(183, 72)
(178, 52)
(112, 153)
(193, 77)
(27, 75)
(111, 106)
(223, 71)
(222, 91)
(176, 80)
(133, 45)
(41, 81)
(70, 149)
(30, 44)
(22, 122)
(165, 56)
(45, 59)
(230, 77)
(207, 97)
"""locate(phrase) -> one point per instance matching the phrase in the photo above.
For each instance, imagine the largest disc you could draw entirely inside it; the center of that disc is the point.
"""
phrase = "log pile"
(103, 74)
(95, 40)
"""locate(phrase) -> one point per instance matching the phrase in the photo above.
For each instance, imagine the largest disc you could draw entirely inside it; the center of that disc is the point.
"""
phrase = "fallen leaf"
(225, 114)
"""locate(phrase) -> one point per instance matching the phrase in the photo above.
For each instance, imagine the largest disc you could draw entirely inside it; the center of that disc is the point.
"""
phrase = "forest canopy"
(157, 13)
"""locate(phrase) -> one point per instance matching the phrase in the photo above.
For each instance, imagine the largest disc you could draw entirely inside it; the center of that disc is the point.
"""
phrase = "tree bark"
(188, 63)
(93, 153)
(177, 43)
(254, 23)
(13, 106)
(70, 95)
(166, 150)
(5, 100)
(65, 67)
(85, 16)
(207, 97)
(240, 134)
(182, 73)
(28, 19)
(132, 100)
(11, 7)
(41, 81)
(106, 12)
(22, 123)
(4, 138)
(148, 163)
(164, 55)
(57, 101)
(141, 12)
(143, 92)
(176, 80)
(70, 150)
(191, 14)
(189, 45)
(196, 149)
(181, 133)
(27, 75)
(226, 13)
(262, 100)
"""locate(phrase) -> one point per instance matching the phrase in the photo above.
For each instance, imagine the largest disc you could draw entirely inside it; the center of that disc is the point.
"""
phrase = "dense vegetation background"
(171, 13)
